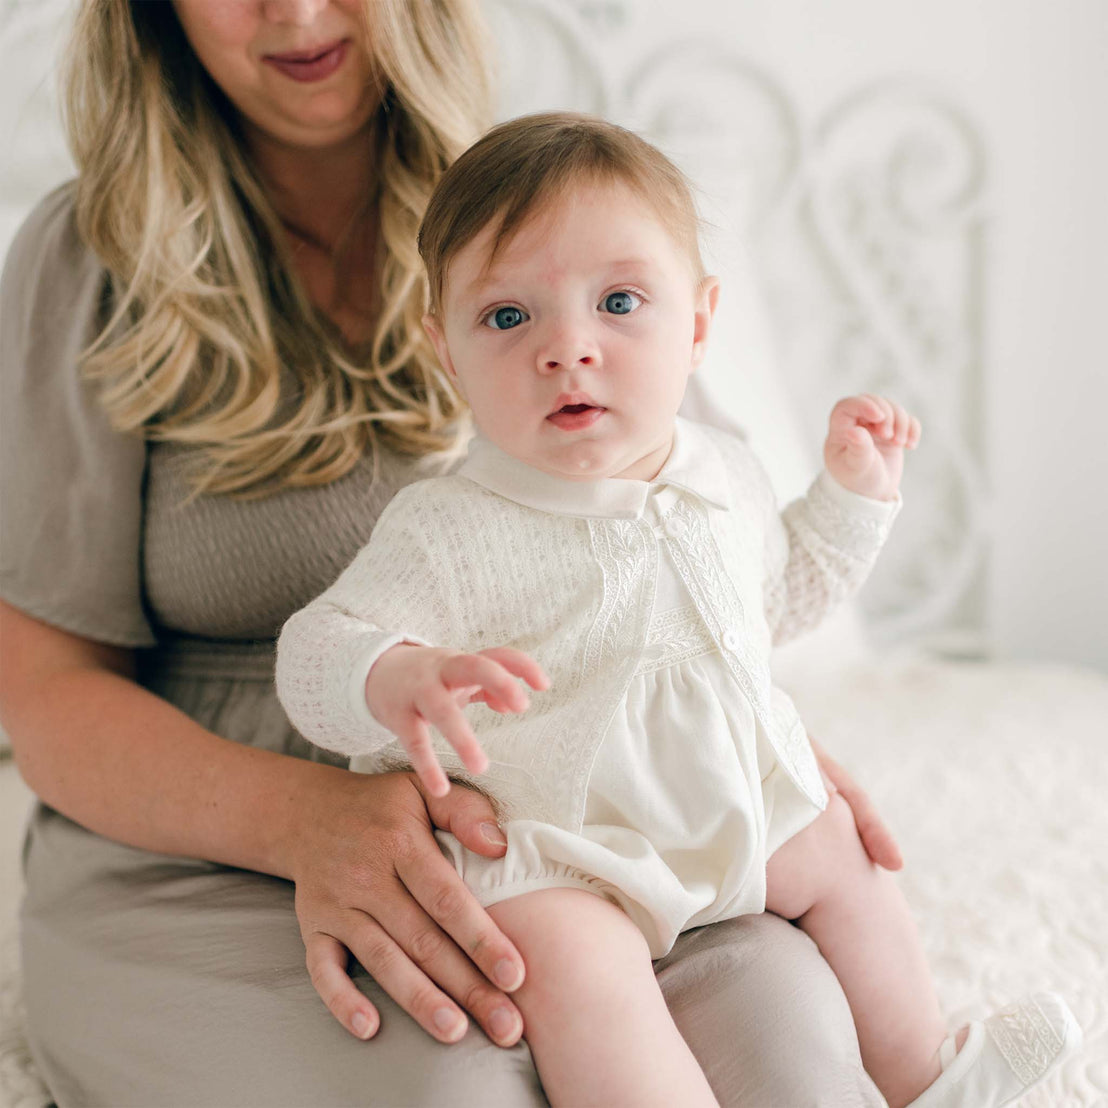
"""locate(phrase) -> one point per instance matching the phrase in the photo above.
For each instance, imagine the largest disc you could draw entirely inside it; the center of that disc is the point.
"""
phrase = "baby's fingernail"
(361, 1025)
(491, 833)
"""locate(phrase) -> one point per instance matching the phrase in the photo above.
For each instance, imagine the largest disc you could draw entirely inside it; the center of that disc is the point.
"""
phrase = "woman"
(239, 249)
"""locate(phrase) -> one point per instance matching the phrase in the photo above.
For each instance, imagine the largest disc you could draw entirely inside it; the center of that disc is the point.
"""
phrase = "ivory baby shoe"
(1004, 1056)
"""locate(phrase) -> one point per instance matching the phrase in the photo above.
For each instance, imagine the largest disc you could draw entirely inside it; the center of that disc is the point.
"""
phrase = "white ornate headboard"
(864, 224)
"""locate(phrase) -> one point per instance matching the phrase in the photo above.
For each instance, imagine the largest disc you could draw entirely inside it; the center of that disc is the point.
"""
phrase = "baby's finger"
(915, 430)
(486, 673)
(495, 704)
(851, 411)
(886, 422)
(520, 665)
(902, 424)
(440, 709)
(415, 736)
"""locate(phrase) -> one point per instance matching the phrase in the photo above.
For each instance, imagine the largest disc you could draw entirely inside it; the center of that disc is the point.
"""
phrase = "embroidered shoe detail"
(1026, 1039)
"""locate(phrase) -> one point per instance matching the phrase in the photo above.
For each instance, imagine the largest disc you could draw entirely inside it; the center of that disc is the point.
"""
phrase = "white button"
(730, 640)
(675, 528)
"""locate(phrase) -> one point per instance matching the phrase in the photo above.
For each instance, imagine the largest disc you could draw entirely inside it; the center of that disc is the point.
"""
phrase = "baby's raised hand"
(411, 686)
(865, 446)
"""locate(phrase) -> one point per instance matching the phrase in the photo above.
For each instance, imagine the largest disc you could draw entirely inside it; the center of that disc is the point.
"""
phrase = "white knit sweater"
(500, 554)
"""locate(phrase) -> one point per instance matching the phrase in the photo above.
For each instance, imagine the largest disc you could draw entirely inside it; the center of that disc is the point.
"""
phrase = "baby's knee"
(837, 845)
(816, 862)
(836, 822)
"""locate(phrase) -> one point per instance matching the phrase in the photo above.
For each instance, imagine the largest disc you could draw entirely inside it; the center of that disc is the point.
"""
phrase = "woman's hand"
(876, 837)
(865, 445)
(371, 882)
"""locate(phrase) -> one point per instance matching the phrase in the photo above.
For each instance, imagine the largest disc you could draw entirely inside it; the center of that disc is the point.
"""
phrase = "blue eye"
(620, 303)
(504, 319)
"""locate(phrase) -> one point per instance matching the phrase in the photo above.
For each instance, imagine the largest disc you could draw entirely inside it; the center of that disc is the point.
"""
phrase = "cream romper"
(685, 801)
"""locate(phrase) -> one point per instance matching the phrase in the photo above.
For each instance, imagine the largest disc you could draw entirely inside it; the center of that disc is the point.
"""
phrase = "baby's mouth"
(575, 417)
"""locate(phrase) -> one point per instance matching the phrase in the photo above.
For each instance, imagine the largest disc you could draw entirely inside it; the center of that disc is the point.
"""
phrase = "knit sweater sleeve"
(818, 552)
(388, 594)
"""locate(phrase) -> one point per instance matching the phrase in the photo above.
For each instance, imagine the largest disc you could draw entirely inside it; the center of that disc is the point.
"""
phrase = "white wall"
(1033, 74)
(1030, 73)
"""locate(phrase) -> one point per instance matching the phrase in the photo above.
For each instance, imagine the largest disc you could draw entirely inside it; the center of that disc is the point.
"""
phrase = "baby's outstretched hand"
(865, 446)
(411, 686)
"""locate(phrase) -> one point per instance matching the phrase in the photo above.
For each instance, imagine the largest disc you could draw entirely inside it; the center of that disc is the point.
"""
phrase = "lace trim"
(696, 553)
(675, 636)
(629, 566)
(1026, 1039)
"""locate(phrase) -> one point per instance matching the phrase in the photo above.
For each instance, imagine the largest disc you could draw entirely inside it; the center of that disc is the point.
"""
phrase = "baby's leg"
(593, 1014)
(824, 879)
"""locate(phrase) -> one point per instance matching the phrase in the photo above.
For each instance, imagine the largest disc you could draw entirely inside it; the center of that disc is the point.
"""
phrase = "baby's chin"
(588, 462)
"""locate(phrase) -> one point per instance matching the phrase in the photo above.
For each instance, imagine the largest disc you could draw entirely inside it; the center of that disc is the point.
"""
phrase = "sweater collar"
(694, 465)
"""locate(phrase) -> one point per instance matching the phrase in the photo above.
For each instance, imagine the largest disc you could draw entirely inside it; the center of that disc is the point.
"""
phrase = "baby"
(658, 781)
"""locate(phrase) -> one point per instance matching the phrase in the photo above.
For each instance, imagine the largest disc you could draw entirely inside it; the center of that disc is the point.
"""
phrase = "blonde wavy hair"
(206, 313)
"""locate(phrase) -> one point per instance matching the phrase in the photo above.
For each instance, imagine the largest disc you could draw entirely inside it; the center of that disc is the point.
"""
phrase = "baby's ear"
(434, 331)
(707, 297)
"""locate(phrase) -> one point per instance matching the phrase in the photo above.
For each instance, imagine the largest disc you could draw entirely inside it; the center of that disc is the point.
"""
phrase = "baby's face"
(575, 347)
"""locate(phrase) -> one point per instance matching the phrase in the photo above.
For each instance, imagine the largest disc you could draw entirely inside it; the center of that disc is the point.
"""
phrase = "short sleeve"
(71, 486)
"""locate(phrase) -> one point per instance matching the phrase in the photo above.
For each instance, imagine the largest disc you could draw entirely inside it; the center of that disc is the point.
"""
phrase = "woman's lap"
(155, 980)
(765, 1016)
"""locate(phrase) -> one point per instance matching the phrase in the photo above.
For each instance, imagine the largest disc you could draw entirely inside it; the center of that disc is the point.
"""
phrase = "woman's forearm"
(126, 764)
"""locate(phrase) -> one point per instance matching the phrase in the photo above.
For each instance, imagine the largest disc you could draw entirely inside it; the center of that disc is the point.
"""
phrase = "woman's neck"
(317, 193)
(325, 199)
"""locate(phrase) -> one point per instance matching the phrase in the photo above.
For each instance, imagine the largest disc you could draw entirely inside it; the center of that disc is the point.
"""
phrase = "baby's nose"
(552, 364)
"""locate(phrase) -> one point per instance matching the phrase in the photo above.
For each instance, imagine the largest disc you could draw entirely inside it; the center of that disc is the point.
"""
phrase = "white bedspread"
(995, 780)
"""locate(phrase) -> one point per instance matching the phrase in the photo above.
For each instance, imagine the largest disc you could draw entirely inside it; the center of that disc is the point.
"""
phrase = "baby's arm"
(390, 593)
(359, 667)
(823, 546)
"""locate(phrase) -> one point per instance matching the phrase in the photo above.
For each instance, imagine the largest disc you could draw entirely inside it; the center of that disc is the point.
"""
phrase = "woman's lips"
(310, 66)
(575, 417)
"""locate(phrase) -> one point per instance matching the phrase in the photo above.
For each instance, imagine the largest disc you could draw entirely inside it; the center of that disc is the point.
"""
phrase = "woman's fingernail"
(450, 1023)
(504, 1025)
(508, 975)
(361, 1025)
(493, 834)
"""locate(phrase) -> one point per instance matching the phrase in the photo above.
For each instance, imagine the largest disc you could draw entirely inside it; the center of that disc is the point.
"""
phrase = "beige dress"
(154, 980)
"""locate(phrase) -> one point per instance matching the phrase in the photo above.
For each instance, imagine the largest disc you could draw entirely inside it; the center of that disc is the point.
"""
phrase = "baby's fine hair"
(521, 165)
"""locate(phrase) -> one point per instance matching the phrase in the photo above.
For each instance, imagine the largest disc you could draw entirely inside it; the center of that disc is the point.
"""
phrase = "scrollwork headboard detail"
(867, 228)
